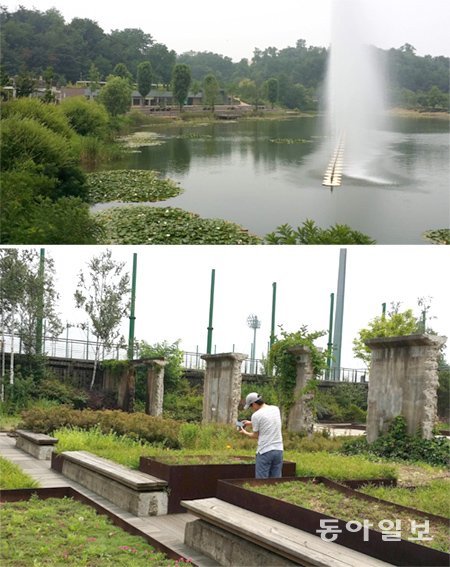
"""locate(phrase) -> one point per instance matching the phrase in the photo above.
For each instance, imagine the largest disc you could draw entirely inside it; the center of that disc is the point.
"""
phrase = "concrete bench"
(138, 493)
(234, 536)
(37, 444)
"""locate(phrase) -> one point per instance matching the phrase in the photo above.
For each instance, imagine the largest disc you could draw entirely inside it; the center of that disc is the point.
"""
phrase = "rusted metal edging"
(403, 553)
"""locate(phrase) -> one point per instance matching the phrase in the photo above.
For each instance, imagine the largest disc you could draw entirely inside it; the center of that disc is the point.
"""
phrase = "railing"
(85, 350)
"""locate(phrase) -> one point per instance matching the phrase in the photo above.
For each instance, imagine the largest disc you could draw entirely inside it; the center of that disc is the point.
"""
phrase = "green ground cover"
(130, 185)
(151, 225)
(12, 477)
(432, 497)
(323, 499)
(65, 532)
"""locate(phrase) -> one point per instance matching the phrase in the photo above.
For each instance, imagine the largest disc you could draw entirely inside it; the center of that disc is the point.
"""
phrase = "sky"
(235, 29)
(173, 290)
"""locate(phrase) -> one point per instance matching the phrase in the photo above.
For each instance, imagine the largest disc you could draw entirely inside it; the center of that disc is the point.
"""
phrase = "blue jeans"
(269, 465)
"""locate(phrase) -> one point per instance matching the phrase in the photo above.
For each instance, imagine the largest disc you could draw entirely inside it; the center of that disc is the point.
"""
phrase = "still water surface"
(246, 172)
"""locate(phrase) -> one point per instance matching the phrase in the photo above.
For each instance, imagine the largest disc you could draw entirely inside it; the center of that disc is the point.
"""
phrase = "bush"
(397, 444)
(87, 118)
(134, 425)
(53, 389)
(46, 114)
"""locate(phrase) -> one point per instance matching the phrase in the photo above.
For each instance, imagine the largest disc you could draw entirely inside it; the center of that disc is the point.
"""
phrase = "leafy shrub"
(53, 389)
(310, 233)
(397, 444)
(134, 425)
(87, 118)
(46, 114)
(183, 406)
(18, 396)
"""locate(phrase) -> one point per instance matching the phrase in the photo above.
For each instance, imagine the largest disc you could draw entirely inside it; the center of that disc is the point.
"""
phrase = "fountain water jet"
(355, 96)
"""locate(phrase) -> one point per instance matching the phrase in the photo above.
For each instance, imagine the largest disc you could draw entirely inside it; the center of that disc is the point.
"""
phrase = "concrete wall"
(403, 381)
(222, 387)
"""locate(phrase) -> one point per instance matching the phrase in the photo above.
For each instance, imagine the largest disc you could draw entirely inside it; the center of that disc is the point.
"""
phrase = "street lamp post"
(254, 323)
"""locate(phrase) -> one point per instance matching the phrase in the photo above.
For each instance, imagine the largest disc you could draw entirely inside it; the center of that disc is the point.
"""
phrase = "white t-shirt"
(267, 422)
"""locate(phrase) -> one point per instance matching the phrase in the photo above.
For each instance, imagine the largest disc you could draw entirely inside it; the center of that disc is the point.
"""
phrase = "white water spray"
(355, 92)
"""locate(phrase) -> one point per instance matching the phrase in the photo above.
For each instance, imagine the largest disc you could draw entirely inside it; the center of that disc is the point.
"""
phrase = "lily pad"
(130, 186)
(141, 139)
(151, 225)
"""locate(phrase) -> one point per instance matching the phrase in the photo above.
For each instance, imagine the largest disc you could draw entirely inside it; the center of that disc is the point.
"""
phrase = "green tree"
(144, 78)
(102, 292)
(94, 78)
(248, 91)
(181, 80)
(395, 323)
(173, 369)
(162, 61)
(116, 96)
(25, 84)
(121, 70)
(310, 233)
(272, 91)
(211, 90)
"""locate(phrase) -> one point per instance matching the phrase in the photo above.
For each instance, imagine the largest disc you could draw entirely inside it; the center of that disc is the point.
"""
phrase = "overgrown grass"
(331, 502)
(432, 497)
(8, 422)
(12, 477)
(339, 467)
(66, 532)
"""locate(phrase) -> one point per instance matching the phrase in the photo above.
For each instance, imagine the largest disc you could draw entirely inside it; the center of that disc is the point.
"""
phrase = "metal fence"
(80, 349)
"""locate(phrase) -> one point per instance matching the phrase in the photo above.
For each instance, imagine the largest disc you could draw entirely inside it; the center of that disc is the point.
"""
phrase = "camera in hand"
(240, 424)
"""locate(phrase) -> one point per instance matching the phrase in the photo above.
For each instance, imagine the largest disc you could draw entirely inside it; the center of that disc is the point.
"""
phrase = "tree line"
(42, 43)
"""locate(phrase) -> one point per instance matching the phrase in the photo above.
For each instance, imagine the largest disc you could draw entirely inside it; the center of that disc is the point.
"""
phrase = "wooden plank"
(287, 541)
(38, 438)
(134, 479)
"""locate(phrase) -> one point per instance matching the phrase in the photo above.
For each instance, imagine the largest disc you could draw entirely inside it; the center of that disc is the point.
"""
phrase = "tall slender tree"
(211, 90)
(103, 291)
(144, 79)
(181, 81)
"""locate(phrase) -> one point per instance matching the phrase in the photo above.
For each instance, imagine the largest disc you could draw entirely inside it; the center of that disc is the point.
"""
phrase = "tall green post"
(130, 352)
(274, 303)
(330, 336)
(383, 308)
(40, 306)
(211, 309)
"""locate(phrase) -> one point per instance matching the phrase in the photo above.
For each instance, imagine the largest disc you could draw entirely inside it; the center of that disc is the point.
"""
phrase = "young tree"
(102, 291)
(144, 78)
(211, 87)
(116, 95)
(27, 295)
(395, 323)
(121, 70)
(272, 91)
(181, 81)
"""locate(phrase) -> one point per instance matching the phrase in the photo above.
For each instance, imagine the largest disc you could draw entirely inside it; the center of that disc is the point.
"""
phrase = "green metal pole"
(383, 306)
(132, 317)
(330, 335)
(211, 309)
(274, 302)
(40, 310)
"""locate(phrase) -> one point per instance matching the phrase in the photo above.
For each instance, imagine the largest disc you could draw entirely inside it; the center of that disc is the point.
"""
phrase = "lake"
(264, 173)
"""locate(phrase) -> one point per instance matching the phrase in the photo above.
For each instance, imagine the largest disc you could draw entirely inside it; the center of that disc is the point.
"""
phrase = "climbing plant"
(284, 365)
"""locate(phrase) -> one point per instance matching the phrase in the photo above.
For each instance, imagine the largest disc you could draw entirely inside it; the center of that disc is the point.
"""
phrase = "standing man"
(266, 428)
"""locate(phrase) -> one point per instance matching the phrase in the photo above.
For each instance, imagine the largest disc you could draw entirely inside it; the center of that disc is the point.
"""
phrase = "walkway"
(168, 530)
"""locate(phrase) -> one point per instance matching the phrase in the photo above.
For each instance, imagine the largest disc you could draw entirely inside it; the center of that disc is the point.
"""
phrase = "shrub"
(46, 114)
(397, 444)
(53, 389)
(87, 118)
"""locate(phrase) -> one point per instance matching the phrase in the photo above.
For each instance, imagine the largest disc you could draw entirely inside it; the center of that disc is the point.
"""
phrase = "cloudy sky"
(173, 289)
(234, 29)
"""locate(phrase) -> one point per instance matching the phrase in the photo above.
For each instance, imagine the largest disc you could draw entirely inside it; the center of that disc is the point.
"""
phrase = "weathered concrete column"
(155, 386)
(127, 389)
(222, 387)
(403, 381)
(301, 415)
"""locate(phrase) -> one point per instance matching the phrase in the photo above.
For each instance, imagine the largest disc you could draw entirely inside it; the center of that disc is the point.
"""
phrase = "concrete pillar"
(222, 387)
(155, 386)
(403, 381)
(301, 414)
(127, 389)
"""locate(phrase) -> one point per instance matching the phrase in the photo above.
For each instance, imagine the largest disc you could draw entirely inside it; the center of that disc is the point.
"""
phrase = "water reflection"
(265, 173)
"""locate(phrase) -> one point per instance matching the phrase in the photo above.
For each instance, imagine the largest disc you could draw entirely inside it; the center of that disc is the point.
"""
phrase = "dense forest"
(36, 43)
